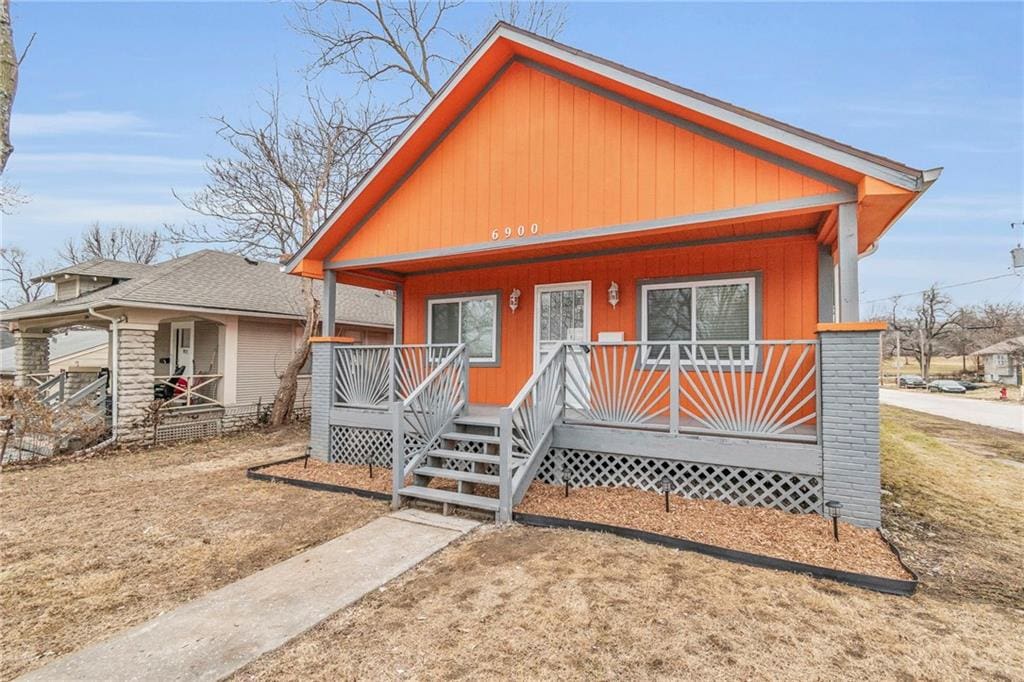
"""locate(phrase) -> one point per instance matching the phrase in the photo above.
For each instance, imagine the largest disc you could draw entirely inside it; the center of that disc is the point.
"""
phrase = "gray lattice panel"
(359, 446)
(190, 430)
(734, 485)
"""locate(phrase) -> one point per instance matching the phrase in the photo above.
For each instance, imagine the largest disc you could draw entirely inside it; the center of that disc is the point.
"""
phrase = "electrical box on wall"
(611, 337)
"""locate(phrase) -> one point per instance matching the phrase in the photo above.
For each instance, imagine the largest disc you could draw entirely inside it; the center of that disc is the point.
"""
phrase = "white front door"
(562, 313)
(182, 341)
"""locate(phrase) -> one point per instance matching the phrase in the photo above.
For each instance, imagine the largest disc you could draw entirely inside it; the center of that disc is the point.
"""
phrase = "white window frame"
(693, 285)
(493, 358)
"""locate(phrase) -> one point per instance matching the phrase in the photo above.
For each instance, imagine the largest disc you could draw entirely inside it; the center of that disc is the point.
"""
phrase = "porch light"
(665, 485)
(834, 509)
(613, 294)
(513, 299)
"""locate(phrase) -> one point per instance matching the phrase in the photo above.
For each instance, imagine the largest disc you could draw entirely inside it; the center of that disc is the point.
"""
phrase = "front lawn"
(91, 547)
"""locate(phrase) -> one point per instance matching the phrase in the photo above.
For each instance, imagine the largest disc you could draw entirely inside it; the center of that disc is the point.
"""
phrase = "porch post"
(134, 373)
(826, 286)
(31, 356)
(328, 302)
(321, 400)
(849, 287)
(851, 471)
(399, 314)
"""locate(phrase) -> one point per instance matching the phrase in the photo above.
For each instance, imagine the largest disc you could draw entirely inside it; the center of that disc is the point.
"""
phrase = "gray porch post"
(849, 285)
(328, 303)
(322, 399)
(135, 369)
(851, 471)
(31, 355)
(826, 286)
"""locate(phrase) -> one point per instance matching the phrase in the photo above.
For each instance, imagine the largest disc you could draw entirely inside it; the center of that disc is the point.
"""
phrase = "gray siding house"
(209, 334)
(1002, 361)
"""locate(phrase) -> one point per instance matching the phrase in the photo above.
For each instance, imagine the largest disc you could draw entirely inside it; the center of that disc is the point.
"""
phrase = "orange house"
(604, 276)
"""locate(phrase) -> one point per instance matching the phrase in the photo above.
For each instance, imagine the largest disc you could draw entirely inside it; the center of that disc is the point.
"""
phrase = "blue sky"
(113, 106)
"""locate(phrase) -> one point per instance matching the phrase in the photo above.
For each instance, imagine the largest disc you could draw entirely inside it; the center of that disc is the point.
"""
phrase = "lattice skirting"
(360, 446)
(188, 430)
(734, 485)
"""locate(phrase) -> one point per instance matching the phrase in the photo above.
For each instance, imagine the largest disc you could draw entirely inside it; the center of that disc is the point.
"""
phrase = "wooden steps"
(450, 497)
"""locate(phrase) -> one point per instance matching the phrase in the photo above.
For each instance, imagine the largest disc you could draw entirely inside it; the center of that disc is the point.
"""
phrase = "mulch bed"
(804, 538)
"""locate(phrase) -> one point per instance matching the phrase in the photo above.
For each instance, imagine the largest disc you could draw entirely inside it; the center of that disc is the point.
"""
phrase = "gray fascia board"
(804, 203)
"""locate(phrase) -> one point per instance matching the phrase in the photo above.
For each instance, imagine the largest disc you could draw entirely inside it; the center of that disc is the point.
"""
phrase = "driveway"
(1009, 416)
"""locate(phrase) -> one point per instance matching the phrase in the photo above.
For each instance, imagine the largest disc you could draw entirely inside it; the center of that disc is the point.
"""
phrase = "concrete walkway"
(1008, 416)
(218, 633)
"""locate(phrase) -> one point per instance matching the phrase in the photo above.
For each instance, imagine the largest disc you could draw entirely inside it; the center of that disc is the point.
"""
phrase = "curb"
(903, 588)
(253, 473)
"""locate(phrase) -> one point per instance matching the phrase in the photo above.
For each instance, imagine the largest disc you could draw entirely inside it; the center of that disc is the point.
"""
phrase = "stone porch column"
(135, 369)
(31, 355)
(851, 470)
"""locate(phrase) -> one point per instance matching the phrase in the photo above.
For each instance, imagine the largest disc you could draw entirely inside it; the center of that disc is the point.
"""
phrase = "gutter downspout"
(115, 357)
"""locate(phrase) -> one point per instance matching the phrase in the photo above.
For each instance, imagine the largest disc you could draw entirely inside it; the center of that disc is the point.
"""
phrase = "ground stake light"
(665, 484)
(834, 508)
(309, 451)
(566, 477)
(369, 462)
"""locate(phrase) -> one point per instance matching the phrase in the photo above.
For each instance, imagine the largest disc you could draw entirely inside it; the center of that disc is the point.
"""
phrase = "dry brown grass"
(526, 603)
(93, 546)
(954, 505)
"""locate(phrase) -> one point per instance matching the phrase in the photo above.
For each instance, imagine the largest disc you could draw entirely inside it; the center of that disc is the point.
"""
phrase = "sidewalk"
(218, 633)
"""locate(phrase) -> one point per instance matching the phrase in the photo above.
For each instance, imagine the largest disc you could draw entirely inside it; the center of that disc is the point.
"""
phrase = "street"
(1009, 415)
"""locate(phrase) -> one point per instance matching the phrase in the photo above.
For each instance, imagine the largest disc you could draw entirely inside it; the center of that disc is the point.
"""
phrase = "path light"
(566, 476)
(665, 485)
(834, 508)
(613, 294)
(309, 451)
(369, 461)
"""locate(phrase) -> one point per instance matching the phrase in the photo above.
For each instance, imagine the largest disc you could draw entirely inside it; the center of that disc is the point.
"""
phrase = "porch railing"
(50, 389)
(526, 427)
(179, 392)
(420, 418)
(376, 376)
(759, 389)
(86, 406)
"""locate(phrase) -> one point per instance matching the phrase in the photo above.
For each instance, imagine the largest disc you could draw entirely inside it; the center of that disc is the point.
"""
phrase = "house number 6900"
(511, 233)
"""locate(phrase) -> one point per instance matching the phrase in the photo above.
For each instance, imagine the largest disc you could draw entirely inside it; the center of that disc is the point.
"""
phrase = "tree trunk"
(284, 400)
(8, 81)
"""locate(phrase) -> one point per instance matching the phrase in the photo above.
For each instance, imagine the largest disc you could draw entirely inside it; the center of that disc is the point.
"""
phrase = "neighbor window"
(472, 320)
(698, 312)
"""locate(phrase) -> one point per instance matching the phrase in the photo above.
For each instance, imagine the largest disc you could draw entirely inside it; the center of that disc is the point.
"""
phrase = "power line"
(946, 286)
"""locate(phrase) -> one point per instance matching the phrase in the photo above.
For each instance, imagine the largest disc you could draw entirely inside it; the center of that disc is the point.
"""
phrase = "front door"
(182, 339)
(562, 313)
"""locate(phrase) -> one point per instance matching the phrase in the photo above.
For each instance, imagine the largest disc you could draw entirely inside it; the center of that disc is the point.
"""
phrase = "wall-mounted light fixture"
(513, 299)
(613, 294)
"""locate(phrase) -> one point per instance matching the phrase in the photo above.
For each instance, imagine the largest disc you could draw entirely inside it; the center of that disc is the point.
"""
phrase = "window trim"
(753, 279)
(495, 359)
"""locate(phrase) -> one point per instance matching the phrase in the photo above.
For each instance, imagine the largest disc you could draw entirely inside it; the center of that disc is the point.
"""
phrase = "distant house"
(78, 351)
(209, 333)
(1002, 361)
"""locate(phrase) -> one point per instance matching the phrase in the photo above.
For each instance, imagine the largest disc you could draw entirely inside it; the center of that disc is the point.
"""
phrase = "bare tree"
(377, 40)
(114, 243)
(931, 322)
(17, 273)
(9, 64)
(285, 177)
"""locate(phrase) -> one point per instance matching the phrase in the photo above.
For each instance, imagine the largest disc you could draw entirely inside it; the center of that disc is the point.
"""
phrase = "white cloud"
(50, 212)
(121, 163)
(75, 122)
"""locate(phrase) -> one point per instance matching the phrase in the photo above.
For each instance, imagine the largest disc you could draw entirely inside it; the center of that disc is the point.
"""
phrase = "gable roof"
(1010, 345)
(214, 281)
(506, 43)
(99, 267)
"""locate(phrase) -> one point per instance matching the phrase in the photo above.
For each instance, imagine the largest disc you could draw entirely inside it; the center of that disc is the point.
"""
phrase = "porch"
(738, 422)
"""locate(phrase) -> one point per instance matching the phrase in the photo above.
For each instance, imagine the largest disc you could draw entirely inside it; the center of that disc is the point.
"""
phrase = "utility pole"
(898, 358)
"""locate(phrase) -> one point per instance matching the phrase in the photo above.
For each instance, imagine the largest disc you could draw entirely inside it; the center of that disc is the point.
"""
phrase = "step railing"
(750, 389)
(526, 427)
(85, 407)
(375, 376)
(428, 411)
(50, 391)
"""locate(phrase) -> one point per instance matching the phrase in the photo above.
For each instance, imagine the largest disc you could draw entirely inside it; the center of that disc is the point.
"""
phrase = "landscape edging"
(903, 588)
(253, 473)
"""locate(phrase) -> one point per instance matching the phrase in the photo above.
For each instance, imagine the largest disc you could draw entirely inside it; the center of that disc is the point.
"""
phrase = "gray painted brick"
(321, 400)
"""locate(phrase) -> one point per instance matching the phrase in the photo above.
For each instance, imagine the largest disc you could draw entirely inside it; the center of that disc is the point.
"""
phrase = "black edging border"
(902, 588)
(253, 473)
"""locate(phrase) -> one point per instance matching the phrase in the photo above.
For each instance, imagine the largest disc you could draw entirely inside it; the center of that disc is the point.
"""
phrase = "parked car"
(946, 386)
(912, 381)
(970, 385)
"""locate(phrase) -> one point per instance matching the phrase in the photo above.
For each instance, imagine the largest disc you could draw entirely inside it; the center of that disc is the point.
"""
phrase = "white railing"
(419, 419)
(87, 405)
(50, 389)
(760, 389)
(376, 376)
(526, 426)
(186, 391)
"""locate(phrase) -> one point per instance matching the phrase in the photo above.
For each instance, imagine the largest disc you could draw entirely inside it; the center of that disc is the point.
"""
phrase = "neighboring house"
(618, 280)
(1002, 361)
(209, 332)
(81, 352)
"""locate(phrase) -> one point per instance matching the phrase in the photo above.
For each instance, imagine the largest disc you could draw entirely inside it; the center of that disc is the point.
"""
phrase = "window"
(698, 312)
(472, 320)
